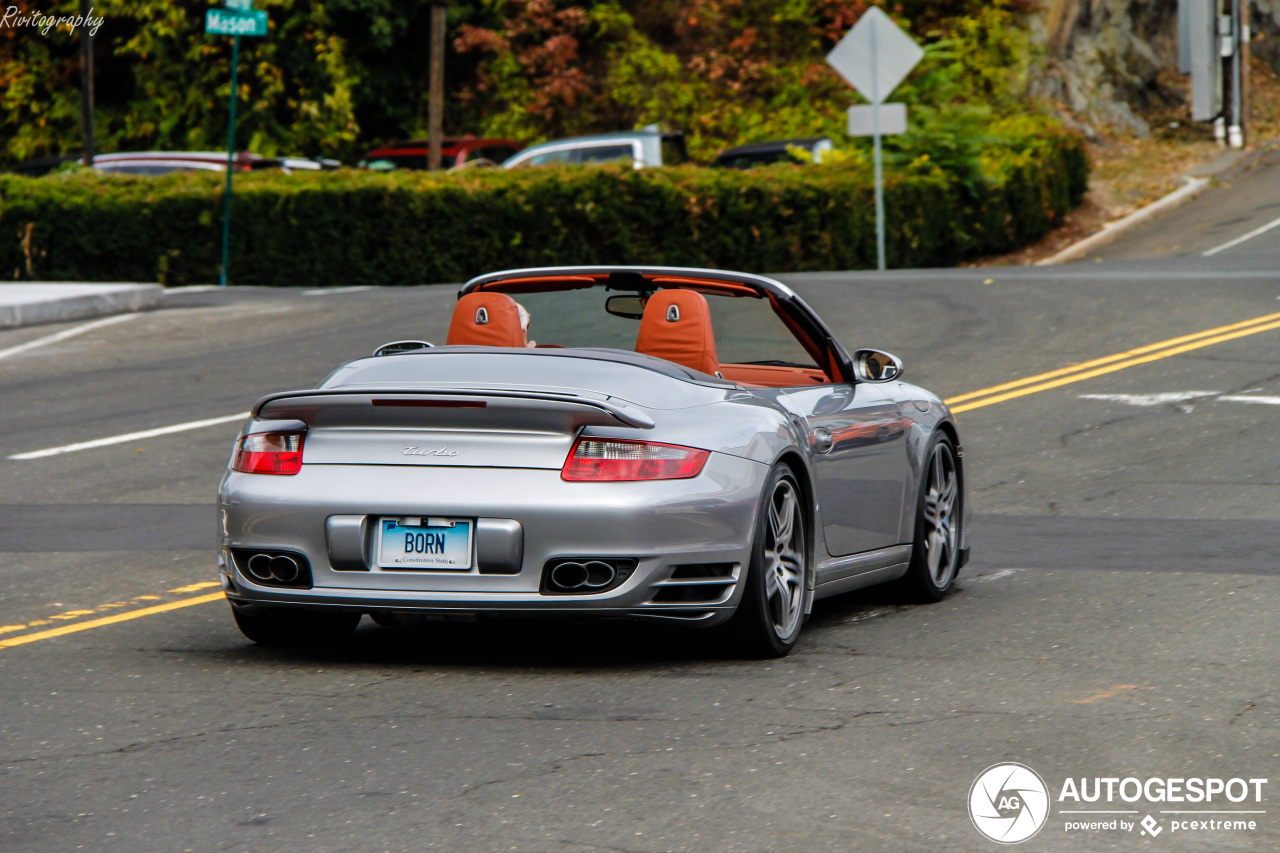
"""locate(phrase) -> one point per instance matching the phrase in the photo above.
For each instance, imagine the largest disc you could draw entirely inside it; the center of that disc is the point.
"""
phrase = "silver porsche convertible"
(685, 445)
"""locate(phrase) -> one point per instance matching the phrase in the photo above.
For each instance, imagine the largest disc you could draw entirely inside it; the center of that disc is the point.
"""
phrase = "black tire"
(771, 613)
(935, 555)
(294, 627)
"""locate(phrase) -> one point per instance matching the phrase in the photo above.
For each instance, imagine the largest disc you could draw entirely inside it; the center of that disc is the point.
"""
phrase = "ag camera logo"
(1009, 803)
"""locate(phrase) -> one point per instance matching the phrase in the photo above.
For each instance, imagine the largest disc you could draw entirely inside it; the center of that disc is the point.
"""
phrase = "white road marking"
(191, 288)
(1237, 241)
(63, 335)
(1175, 397)
(133, 436)
(1151, 399)
(1238, 398)
(325, 291)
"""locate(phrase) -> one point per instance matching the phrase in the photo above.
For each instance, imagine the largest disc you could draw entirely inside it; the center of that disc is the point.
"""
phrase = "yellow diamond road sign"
(875, 56)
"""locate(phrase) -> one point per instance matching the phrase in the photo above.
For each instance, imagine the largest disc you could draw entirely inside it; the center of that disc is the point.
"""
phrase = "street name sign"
(239, 5)
(231, 22)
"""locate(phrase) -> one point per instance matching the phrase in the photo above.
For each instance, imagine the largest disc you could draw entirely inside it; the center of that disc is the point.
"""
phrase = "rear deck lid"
(454, 427)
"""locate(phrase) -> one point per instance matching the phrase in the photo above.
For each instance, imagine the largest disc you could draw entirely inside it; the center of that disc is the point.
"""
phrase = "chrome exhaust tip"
(284, 569)
(570, 575)
(599, 574)
(585, 575)
(259, 565)
(272, 567)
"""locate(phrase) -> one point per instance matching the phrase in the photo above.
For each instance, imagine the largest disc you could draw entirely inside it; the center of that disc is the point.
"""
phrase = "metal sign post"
(875, 56)
(875, 131)
(238, 19)
(231, 162)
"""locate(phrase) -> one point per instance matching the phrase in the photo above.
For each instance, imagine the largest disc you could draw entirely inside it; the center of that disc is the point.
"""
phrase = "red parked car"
(455, 151)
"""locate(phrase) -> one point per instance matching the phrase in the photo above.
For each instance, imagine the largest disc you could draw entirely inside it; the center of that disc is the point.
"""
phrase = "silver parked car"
(647, 148)
(675, 444)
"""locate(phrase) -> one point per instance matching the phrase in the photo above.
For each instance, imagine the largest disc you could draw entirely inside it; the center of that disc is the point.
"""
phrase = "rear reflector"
(597, 459)
(269, 453)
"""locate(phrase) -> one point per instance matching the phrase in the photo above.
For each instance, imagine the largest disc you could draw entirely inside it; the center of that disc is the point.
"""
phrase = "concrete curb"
(1193, 188)
(58, 302)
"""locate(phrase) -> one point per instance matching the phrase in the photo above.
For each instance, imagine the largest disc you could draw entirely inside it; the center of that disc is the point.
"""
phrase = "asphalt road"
(1118, 618)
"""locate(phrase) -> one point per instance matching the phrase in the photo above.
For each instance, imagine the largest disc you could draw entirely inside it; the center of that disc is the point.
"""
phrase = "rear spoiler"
(306, 405)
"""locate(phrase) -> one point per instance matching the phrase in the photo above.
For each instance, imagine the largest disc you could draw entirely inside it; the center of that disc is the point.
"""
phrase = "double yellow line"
(114, 618)
(1110, 364)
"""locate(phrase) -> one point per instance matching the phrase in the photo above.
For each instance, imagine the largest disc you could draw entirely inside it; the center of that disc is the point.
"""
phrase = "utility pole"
(1242, 55)
(86, 86)
(1213, 47)
(1235, 132)
(1230, 35)
(435, 93)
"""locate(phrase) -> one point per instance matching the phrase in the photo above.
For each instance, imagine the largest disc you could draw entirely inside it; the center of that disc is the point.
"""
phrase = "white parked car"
(644, 148)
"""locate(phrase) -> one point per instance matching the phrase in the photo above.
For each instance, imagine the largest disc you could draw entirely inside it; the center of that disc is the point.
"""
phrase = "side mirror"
(871, 365)
(625, 305)
(401, 347)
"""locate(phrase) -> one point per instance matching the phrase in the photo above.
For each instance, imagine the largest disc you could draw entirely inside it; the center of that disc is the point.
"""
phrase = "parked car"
(644, 148)
(296, 163)
(777, 151)
(166, 162)
(681, 445)
(455, 152)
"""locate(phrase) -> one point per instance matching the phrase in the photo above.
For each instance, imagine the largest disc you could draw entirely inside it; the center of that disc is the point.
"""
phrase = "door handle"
(822, 441)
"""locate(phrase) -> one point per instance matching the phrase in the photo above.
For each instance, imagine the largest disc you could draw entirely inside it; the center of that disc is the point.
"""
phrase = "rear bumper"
(662, 525)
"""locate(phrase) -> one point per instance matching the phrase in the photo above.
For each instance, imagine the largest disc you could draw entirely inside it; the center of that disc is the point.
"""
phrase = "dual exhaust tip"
(274, 567)
(582, 577)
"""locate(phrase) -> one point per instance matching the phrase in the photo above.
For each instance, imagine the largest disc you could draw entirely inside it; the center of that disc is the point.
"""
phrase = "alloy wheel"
(784, 560)
(941, 528)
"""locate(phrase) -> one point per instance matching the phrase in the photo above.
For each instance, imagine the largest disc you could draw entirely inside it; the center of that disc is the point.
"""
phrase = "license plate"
(425, 543)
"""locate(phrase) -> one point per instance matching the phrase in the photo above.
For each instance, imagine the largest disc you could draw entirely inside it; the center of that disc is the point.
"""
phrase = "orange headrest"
(677, 326)
(486, 320)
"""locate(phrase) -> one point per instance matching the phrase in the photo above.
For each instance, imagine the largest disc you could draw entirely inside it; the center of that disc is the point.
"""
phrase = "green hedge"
(412, 228)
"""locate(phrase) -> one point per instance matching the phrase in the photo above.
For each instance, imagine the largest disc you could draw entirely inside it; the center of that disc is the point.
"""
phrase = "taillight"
(610, 459)
(269, 453)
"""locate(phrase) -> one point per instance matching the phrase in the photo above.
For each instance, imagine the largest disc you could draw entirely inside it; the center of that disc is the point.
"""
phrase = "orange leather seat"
(486, 320)
(677, 327)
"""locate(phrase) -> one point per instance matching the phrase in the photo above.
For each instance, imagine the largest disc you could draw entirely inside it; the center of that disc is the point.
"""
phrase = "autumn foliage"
(334, 77)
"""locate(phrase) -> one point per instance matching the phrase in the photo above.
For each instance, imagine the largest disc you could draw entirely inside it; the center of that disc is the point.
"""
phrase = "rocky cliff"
(1108, 60)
